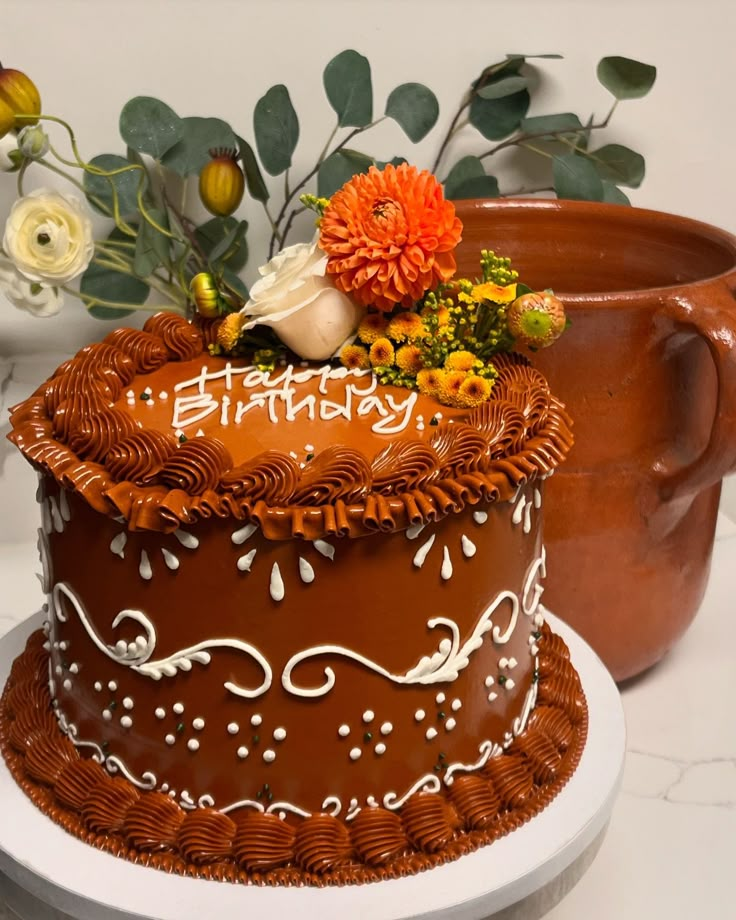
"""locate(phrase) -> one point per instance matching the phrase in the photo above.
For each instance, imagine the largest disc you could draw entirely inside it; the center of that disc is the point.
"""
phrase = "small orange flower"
(473, 391)
(460, 361)
(409, 359)
(355, 358)
(430, 380)
(372, 327)
(405, 327)
(229, 331)
(450, 387)
(496, 293)
(382, 353)
(389, 236)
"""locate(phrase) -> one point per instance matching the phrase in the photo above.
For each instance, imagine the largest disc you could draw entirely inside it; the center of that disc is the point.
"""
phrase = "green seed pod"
(205, 295)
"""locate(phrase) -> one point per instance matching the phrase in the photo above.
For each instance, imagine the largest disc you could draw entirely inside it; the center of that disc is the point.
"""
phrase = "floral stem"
(295, 213)
(464, 104)
(21, 174)
(90, 301)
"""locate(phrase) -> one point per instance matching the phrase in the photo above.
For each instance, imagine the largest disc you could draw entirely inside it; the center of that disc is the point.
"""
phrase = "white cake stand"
(48, 874)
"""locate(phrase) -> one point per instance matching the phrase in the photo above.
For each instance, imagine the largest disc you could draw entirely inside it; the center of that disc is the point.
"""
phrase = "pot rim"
(620, 215)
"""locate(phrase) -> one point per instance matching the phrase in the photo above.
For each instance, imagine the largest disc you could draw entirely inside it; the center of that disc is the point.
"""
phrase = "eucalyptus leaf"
(625, 78)
(151, 246)
(150, 126)
(476, 187)
(415, 108)
(575, 177)
(347, 82)
(497, 118)
(468, 179)
(231, 244)
(548, 125)
(109, 285)
(99, 188)
(200, 136)
(613, 194)
(212, 234)
(235, 283)
(276, 129)
(468, 167)
(395, 161)
(619, 164)
(511, 64)
(257, 188)
(506, 86)
(338, 168)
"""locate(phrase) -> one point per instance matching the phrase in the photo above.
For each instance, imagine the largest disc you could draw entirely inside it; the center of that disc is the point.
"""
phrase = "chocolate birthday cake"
(294, 632)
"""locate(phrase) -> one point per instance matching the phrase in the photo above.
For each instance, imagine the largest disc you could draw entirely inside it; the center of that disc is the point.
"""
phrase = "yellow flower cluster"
(424, 350)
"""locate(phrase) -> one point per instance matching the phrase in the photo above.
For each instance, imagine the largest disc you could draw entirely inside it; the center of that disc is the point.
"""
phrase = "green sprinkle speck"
(256, 739)
(144, 397)
(367, 737)
(433, 421)
(310, 457)
(112, 705)
(180, 727)
(440, 715)
(502, 679)
(182, 438)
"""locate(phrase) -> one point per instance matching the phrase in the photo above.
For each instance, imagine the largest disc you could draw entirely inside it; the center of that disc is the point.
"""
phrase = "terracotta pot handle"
(714, 319)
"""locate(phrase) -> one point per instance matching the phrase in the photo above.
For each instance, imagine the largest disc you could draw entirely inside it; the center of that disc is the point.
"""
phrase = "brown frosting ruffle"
(183, 341)
(68, 429)
(251, 847)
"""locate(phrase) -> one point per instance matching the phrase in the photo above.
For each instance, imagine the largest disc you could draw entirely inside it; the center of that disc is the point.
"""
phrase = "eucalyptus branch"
(452, 130)
(154, 281)
(313, 172)
(191, 243)
(295, 213)
(21, 173)
(92, 301)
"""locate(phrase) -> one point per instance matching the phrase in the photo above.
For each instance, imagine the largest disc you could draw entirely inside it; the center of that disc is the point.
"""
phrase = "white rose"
(49, 237)
(8, 143)
(305, 310)
(36, 298)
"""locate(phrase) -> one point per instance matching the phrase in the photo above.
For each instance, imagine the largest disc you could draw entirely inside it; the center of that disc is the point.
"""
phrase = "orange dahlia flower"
(389, 236)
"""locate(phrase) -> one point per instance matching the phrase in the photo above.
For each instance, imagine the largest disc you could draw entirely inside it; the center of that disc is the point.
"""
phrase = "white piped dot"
(233, 728)
(492, 697)
(269, 756)
(256, 720)
(112, 686)
(58, 670)
(419, 715)
(128, 703)
(98, 686)
(509, 685)
(126, 721)
(160, 713)
(355, 753)
(279, 734)
(489, 681)
(386, 728)
(380, 748)
(67, 685)
(170, 739)
(430, 733)
(456, 704)
(193, 744)
(106, 715)
(440, 698)
(512, 663)
(178, 708)
(74, 668)
(242, 752)
(369, 715)
(198, 724)
(450, 724)
(343, 731)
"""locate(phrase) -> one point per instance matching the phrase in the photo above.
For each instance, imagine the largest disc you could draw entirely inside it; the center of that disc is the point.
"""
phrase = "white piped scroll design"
(137, 654)
(452, 655)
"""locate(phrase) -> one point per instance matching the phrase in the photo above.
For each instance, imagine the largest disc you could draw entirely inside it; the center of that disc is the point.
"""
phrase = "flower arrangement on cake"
(151, 255)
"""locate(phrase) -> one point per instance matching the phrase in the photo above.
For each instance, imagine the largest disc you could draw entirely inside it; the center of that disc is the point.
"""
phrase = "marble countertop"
(669, 849)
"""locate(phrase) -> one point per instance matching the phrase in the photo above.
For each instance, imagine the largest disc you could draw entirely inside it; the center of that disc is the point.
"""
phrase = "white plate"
(75, 878)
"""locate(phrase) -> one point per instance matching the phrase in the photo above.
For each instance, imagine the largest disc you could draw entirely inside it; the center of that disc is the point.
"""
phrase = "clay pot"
(648, 372)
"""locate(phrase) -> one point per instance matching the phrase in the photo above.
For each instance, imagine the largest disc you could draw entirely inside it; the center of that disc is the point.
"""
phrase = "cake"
(294, 631)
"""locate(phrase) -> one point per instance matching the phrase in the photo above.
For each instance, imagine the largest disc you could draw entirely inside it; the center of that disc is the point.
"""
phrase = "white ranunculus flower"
(35, 298)
(8, 143)
(303, 307)
(49, 237)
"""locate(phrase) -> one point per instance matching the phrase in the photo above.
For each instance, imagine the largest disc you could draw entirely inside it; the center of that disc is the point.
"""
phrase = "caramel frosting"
(150, 828)
(149, 425)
